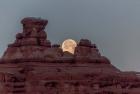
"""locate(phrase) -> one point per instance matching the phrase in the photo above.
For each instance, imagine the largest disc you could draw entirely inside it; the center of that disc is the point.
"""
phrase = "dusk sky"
(114, 25)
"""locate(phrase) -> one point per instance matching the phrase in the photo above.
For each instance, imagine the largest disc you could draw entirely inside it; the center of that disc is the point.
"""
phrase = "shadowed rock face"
(31, 65)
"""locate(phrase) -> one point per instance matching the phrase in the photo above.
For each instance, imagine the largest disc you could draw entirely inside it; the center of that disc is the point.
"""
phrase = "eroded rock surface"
(32, 65)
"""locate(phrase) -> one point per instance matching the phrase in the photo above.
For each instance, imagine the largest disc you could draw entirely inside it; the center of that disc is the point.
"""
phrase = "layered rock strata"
(32, 65)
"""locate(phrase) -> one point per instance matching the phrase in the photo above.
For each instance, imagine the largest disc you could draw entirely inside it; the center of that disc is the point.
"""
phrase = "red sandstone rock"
(85, 42)
(32, 66)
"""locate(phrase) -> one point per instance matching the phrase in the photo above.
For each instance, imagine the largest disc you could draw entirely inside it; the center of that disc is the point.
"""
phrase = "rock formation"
(32, 65)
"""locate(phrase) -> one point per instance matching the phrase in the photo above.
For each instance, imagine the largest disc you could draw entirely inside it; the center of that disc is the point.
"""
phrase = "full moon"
(69, 45)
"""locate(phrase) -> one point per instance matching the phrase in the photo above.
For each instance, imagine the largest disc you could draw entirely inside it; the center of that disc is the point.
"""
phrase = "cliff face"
(32, 65)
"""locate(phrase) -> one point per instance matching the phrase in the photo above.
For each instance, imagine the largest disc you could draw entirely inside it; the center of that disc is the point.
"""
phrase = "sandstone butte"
(32, 65)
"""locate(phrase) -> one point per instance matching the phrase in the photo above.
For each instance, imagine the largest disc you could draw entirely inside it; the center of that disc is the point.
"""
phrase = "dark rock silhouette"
(32, 65)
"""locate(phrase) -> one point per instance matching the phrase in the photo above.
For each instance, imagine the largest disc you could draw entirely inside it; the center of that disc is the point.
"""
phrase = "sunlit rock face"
(32, 65)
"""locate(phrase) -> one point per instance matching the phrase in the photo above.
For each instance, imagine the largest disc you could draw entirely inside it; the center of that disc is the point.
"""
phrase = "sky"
(114, 25)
